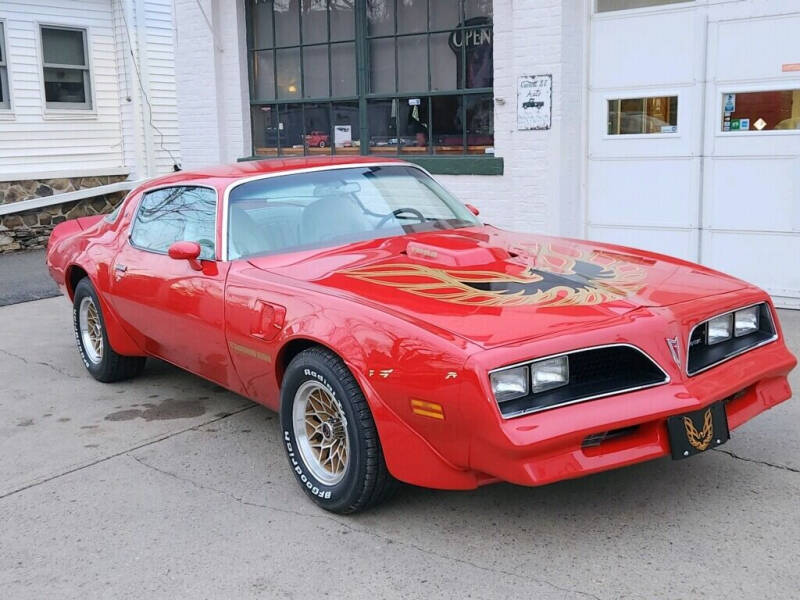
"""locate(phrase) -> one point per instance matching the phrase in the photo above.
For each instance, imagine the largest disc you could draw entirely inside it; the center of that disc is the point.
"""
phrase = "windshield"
(337, 206)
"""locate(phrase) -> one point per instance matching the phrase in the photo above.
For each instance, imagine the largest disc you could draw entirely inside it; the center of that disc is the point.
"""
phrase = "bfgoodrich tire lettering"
(99, 358)
(364, 480)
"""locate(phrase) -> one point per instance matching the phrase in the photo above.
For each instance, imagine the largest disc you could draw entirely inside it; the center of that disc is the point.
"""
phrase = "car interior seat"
(332, 216)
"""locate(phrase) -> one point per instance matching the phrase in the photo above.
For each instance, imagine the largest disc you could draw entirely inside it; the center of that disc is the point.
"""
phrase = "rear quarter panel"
(88, 245)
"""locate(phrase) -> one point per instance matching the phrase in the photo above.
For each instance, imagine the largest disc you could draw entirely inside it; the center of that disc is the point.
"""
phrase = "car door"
(175, 307)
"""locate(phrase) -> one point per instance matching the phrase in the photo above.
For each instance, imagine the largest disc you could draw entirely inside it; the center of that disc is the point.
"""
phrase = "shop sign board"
(534, 101)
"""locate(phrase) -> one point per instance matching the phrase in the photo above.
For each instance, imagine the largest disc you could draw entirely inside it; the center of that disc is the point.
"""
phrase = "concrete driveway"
(170, 487)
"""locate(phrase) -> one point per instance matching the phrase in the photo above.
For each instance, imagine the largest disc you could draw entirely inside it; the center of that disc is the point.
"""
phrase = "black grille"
(593, 373)
(702, 356)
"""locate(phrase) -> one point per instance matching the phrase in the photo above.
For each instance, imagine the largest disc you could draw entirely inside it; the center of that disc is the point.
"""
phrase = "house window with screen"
(5, 94)
(65, 64)
(371, 77)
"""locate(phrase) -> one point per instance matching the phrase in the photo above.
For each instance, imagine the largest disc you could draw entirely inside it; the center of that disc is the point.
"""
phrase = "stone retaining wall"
(31, 228)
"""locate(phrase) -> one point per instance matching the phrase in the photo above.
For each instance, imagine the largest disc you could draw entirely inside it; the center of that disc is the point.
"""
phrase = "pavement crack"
(103, 459)
(757, 462)
(39, 362)
(373, 534)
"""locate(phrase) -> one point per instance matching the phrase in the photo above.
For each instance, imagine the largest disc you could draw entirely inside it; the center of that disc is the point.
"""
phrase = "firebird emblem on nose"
(675, 349)
(700, 440)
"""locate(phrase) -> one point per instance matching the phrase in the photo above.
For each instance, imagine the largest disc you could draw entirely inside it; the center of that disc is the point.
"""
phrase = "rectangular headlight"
(510, 384)
(549, 374)
(745, 321)
(719, 329)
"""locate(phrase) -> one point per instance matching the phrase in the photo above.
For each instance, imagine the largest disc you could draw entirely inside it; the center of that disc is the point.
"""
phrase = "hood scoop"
(459, 252)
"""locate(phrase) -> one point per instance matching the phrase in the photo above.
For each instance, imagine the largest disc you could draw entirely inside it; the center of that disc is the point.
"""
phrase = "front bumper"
(549, 446)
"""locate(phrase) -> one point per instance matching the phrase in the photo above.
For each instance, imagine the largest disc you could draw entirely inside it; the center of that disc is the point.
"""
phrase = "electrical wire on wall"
(175, 163)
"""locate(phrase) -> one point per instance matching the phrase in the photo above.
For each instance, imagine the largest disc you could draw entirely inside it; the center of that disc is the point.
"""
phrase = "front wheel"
(90, 334)
(330, 436)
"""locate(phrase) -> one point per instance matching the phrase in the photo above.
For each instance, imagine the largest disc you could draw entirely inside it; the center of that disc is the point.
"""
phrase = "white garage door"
(694, 135)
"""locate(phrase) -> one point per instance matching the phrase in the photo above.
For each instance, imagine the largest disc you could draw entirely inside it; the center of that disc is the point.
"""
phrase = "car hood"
(494, 287)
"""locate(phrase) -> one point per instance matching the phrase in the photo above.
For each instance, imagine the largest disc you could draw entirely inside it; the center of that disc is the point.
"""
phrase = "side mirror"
(473, 210)
(186, 251)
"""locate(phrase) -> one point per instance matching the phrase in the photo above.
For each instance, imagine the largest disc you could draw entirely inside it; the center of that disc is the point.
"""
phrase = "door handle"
(120, 268)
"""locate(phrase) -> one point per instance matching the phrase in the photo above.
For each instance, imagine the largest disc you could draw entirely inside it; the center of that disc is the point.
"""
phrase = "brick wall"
(30, 229)
(540, 190)
(211, 75)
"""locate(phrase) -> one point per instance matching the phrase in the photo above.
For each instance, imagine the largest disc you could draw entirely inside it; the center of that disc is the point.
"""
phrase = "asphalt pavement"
(168, 486)
(24, 277)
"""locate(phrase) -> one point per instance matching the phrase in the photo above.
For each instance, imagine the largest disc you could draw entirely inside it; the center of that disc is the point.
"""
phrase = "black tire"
(366, 480)
(111, 366)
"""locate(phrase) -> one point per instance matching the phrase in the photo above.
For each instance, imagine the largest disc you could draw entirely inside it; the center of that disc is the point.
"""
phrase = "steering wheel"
(400, 211)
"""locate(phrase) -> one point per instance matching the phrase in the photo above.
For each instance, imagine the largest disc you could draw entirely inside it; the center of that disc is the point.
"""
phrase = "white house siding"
(119, 134)
(36, 140)
(156, 32)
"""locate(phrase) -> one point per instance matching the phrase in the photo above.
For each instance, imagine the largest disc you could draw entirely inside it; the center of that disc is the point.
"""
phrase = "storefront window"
(611, 5)
(761, 111)
(630, 116)
(414, 75)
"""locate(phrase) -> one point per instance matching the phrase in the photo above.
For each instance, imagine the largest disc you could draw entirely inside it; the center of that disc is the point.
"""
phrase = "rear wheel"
(330, 436)
(90, 334)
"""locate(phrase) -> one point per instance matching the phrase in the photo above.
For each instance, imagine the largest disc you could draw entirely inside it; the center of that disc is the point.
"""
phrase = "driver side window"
(176, 214)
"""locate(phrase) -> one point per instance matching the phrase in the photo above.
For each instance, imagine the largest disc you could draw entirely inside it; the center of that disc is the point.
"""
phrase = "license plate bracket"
(696, 432)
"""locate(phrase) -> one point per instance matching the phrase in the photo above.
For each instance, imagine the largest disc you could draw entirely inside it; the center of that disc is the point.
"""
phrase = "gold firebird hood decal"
(554, 276)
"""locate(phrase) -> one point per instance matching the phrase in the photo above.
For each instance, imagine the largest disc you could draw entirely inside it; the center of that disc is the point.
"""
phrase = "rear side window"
(176, 214)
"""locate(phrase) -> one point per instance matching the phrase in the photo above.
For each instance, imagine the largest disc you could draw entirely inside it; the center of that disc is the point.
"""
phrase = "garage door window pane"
(761, 111)
(611, 5)
(631, 116)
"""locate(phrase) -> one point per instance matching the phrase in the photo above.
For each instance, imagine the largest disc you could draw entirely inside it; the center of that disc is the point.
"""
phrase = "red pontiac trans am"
(403, 340)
